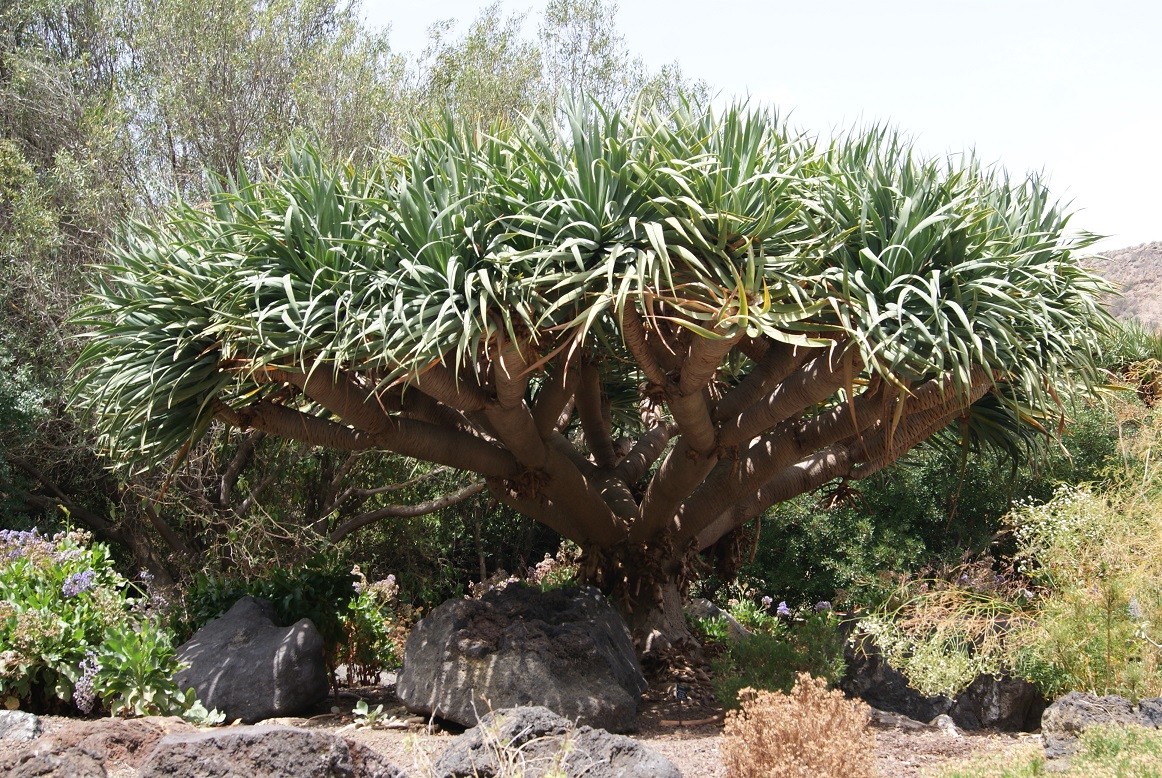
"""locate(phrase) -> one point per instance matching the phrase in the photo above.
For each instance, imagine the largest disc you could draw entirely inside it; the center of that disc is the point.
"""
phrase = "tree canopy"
(640, 329)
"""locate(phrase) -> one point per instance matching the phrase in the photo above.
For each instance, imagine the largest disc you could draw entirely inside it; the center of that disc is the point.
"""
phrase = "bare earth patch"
(903, 749)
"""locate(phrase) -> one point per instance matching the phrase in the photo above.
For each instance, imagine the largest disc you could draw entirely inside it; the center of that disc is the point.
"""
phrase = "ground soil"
(680, 732)
(687, 732)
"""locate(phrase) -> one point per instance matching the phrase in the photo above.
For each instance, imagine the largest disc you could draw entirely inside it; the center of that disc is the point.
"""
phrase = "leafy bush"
(74, 634)
(318, 589)
(376, 627)
(1074, 607)
(1097, 559)
(810, 732)
(558, 571)
(770, 660)
(930, 509)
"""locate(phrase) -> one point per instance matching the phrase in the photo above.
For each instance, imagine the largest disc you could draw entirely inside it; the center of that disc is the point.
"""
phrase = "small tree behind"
(642, 333)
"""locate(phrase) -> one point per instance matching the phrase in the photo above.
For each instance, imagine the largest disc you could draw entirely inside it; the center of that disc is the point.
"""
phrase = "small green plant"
(366, 716)
(755, 616)
(710, 630)
(556, 572)
(135, 676)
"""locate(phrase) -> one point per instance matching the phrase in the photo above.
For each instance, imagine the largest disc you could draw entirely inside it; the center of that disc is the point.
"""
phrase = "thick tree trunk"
(657, 620)
(647, 586)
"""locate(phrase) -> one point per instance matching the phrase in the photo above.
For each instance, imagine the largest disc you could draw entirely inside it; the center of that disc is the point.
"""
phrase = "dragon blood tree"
(642, 331)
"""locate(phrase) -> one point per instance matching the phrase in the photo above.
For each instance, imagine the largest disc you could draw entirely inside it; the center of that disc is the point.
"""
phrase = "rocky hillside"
(1137, 271)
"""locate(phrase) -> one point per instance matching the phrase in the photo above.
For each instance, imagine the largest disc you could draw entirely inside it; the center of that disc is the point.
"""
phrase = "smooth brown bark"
(728, 448)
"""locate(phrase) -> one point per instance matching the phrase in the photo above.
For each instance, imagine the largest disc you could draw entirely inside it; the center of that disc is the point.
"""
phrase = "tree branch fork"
(711, 452)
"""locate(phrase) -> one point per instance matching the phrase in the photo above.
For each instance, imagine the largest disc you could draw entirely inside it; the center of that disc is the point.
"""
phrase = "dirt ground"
(679, 732)
(688, 733)
(907, 751)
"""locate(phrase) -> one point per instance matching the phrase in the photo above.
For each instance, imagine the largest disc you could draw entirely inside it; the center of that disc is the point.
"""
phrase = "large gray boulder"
(263, 751)
(248, 667)
(1067, 718)
(566, 650)
(534, 741)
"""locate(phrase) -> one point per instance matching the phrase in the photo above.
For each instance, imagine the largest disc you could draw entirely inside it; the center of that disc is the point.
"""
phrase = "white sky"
(1071, 88)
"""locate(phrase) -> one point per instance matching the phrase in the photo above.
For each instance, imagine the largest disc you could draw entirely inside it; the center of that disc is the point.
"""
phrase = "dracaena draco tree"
(642, 331)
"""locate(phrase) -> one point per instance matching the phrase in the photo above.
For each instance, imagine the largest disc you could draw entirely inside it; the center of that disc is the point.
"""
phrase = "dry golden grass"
(809, 733)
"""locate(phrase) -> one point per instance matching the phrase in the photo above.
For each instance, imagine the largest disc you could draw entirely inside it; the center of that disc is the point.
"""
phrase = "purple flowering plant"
(72, 632)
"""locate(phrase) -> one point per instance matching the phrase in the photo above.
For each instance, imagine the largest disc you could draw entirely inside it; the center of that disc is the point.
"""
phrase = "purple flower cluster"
(822, 606)
(768, 601)
(78, 582)
(84, 696)
(154, 601)
(387, 589)
(783, 610)
(17, 543)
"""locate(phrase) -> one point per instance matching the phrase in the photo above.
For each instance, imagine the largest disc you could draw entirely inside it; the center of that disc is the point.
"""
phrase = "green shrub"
(928, 510)
(75, 635)
(376, 628)
(770, 660)
(319, 589)
(1076, 606)
(556, 571)
(1097, 559)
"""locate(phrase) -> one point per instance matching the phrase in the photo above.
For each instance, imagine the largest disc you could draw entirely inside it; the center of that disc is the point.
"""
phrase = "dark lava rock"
(999, 702)
(989, 702)
(566, 650)
(1068, 717)
(248, 667)
(534, 741)
(70, 763)
(264, 751)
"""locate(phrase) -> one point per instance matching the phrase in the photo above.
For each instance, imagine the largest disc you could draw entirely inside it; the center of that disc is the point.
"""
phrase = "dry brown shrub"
(811, 732)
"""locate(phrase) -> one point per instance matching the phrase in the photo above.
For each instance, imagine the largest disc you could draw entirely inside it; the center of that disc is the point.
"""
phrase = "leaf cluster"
(733, 223)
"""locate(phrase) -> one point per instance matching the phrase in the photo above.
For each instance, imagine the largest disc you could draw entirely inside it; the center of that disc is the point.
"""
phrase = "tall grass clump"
(807, 733)
(1076, 602)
